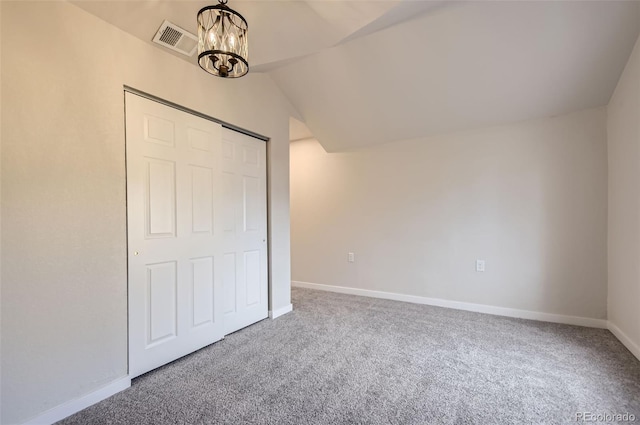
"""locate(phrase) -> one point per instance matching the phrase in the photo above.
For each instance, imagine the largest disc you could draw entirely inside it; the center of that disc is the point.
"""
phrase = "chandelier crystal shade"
(223, 47)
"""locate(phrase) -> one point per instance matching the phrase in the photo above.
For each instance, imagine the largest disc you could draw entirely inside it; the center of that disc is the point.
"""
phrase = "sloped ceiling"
(368, 72)
(278, 30)
(464, 66)
(298, 130)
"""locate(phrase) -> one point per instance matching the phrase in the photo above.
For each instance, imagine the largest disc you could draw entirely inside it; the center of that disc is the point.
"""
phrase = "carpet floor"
(340, 359)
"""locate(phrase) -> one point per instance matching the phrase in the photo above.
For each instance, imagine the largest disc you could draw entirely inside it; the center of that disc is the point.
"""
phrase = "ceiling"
(298, 130)
(278, 30)
(373, 71)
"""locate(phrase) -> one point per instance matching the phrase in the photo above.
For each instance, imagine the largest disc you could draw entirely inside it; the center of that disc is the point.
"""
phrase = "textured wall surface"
(529, 198)
(623, 128)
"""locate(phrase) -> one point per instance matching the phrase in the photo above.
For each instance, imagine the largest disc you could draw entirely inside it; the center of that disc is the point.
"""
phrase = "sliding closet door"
(175, 248)
(244, 230)
(197, 232)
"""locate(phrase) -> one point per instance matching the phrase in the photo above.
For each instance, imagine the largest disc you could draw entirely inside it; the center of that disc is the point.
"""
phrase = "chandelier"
(223, 47)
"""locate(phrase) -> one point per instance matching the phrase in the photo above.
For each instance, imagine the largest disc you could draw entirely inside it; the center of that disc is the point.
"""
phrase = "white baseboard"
(69, 408)
(478, 308)
(281, 311)
(625, 340)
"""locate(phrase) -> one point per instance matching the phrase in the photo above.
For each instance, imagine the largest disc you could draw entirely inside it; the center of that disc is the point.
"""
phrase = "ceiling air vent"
(175, 38)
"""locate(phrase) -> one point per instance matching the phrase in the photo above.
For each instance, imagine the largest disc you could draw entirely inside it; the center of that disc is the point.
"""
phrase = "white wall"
(623, 127)
(0, 210)
(64, 281)
(529, 198)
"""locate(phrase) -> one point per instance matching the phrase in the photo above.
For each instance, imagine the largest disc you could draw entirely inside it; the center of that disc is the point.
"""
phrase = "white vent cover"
(175, 38)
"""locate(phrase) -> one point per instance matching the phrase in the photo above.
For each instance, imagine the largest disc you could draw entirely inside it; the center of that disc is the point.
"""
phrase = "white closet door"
(175, 249)
(244, 229)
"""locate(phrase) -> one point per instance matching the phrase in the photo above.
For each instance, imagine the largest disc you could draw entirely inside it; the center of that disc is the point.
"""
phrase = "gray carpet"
(345, 359)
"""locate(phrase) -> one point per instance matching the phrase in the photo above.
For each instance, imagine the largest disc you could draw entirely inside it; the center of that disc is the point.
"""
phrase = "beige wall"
(528, 198)
(623, 127)
(64, 281)
(0, 211)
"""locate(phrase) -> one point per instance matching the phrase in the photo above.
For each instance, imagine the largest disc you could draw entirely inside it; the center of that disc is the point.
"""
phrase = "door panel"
(175, 296)
(229, 202)
(251, 198)
(245, 229)
(160, 198)
(202, 294)
(201, 199)
(161, 303)
(158, 130)
(229, 279)
(252, 277)
(198, 139)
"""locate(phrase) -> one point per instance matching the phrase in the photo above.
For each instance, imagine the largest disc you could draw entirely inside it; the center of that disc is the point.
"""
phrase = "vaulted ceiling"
(369, 72)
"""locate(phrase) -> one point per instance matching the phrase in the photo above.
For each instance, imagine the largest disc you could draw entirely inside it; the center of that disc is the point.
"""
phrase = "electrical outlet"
(352, 257)
(479, 265)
